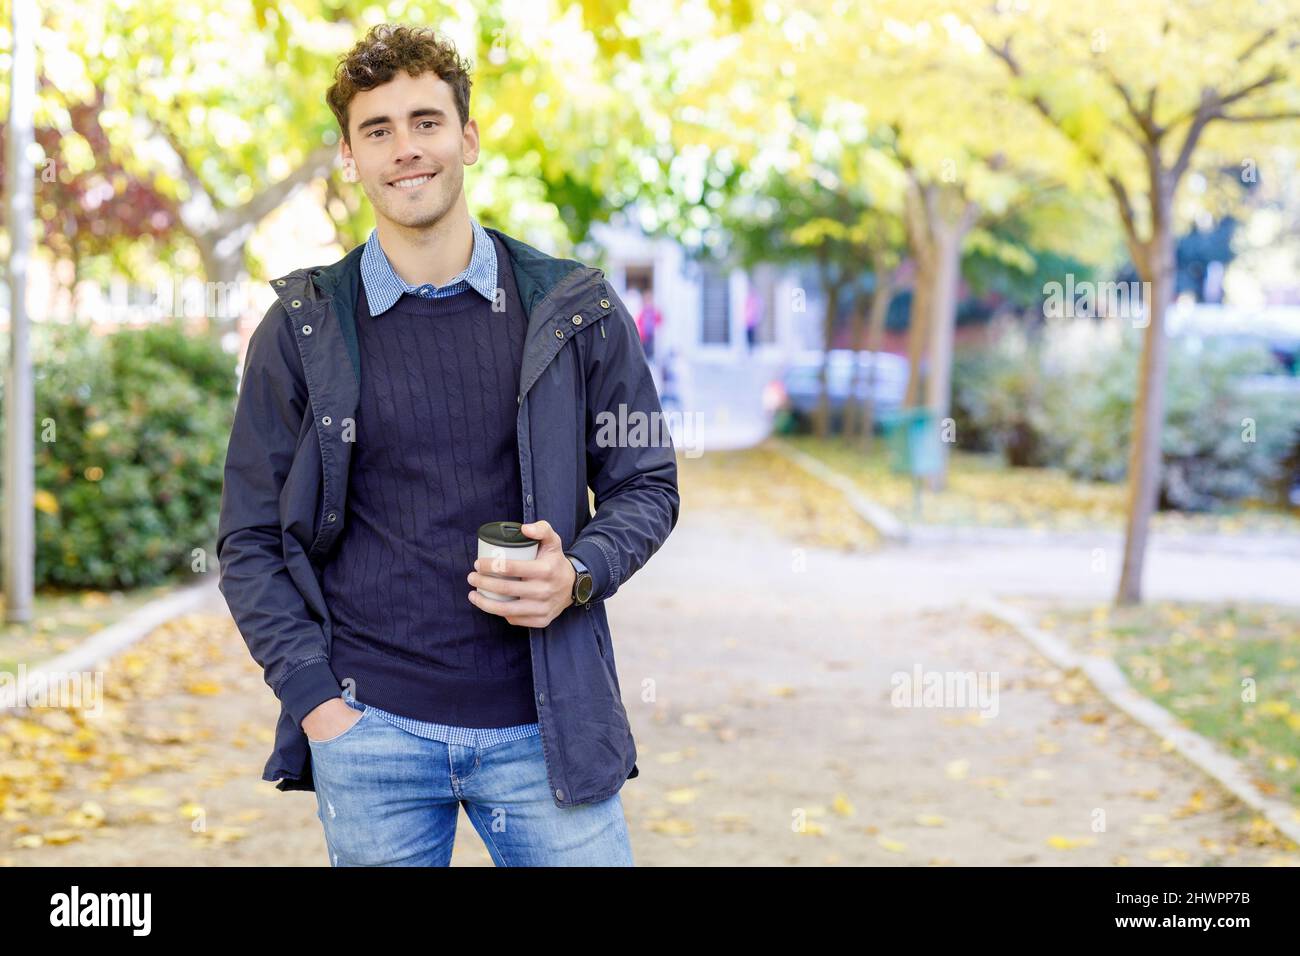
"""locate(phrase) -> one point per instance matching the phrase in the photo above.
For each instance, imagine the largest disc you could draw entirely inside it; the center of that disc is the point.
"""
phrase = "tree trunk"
(821, 418)
(880, 301)
(918, 328)
(1157, 267)
(857, 335)
(943, 329)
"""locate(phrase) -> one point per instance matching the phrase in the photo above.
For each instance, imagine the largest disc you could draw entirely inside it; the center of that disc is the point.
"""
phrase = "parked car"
(795, 393)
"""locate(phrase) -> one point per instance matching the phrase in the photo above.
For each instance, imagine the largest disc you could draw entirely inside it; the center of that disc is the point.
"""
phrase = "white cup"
(503, 539)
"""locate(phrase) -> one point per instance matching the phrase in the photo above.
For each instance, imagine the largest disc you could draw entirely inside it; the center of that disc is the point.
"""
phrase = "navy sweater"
(436, 456)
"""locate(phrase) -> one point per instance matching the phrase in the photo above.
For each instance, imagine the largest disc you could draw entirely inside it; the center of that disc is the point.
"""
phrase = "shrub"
(1067, 400)
(131, 430)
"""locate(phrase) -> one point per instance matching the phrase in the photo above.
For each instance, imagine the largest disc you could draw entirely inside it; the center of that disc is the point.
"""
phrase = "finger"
(511, 568)
(523, 608)
(535, 590)
(543, 532)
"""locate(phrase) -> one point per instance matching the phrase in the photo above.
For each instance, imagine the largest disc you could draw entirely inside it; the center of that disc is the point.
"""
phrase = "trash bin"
(913, 441)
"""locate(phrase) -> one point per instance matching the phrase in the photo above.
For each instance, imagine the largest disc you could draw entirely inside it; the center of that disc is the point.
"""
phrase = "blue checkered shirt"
(464, 736)
(384, 286)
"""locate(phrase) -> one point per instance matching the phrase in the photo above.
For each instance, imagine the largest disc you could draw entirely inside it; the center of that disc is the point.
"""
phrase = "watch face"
(584, 587)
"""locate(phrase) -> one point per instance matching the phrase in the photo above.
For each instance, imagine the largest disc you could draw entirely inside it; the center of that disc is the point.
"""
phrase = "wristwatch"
(581, 582)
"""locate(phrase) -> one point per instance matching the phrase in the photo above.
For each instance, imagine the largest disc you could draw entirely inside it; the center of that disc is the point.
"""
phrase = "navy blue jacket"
(283, 504)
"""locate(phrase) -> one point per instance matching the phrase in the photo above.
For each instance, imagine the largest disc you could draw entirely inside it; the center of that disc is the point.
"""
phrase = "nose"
(407, 150)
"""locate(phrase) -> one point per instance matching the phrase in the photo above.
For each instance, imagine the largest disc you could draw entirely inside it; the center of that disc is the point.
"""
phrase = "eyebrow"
(414, 114)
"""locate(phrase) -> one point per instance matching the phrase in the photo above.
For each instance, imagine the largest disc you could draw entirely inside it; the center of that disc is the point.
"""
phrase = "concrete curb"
(1106, 676)
(873, 513)
(900, 531)
(103, 644)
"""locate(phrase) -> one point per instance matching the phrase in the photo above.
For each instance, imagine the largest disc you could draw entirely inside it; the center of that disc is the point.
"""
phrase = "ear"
(470, 143)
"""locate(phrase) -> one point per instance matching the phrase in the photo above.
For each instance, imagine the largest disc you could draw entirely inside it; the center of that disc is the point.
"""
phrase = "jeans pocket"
(365, 712)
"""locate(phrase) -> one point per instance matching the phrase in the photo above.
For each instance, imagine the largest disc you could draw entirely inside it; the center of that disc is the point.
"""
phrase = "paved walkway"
(757, 675)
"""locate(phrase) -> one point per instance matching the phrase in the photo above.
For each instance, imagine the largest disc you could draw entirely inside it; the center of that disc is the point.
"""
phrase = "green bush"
(1066, 399)
(131, 431)
(999, 395)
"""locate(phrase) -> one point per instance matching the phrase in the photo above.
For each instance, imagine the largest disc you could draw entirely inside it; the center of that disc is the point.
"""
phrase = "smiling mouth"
(412, 182)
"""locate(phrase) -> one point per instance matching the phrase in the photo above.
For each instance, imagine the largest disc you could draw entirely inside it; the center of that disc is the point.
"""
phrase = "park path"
(756, 671)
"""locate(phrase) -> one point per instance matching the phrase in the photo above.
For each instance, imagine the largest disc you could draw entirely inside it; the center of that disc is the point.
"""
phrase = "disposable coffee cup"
(503, 539)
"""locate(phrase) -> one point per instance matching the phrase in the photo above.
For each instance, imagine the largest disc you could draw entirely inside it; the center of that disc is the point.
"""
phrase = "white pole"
(19, 528)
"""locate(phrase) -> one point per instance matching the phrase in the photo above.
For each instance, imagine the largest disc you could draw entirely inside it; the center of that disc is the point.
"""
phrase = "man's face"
(405, 129)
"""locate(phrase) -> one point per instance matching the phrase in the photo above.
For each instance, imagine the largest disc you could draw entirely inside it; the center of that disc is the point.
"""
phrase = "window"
(715, 306)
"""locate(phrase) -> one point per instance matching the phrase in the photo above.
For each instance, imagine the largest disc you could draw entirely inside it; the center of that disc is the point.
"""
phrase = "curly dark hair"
(383, 51)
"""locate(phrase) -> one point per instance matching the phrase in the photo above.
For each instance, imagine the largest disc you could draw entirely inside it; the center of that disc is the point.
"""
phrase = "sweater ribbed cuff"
(307, 688)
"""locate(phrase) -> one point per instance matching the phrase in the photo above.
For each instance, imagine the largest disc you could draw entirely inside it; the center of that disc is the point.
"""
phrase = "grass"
(982, 491)
(1228, 671)
(762, 484)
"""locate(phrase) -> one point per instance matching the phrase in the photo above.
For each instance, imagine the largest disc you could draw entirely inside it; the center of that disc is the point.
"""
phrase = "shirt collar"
(384, 286)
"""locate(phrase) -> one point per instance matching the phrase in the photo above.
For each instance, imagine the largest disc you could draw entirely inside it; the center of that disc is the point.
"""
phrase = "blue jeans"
(386, 797)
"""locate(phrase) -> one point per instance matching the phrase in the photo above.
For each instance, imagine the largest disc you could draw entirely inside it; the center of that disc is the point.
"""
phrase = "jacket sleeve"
(635, 483)
(281, 632)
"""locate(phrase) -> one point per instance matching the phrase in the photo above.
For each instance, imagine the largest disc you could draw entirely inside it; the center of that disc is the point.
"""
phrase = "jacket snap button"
(296, 302)
(541, 698)
(306, 330)
(279, 282)
(529, 499)
(559, 794)
(332, 516)
(577, 320)
(327, 420)
(519, 399)
(559, 333)
(604, 303)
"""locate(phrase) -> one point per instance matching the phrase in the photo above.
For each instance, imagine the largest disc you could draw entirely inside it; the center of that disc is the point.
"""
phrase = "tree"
(1139, 106)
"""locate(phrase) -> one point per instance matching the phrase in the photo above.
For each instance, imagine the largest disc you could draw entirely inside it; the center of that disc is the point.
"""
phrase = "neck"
(433, 253)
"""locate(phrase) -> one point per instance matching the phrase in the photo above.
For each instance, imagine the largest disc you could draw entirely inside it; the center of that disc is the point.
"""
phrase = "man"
(437, 378)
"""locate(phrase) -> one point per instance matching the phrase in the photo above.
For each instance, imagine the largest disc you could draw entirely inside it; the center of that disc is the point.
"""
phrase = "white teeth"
(412, 183)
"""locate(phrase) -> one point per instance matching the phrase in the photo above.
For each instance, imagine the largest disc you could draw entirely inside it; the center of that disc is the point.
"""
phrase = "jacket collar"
(549, 287)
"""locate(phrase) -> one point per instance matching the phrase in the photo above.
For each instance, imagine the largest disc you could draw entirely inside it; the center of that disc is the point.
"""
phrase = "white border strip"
(103, 644)
(873, 513)
(1107, 677)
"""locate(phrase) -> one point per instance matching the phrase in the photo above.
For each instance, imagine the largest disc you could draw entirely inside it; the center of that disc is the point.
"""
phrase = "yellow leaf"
(893, 846)
(1069, 843)
(842, 806)
(149, 796)
(46, 502)
(671, 827)
(931, 820)
(683, 795)
(89, 814)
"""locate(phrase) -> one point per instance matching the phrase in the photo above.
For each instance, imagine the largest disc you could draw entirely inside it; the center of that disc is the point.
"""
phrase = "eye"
(374, 131)
(430, 122)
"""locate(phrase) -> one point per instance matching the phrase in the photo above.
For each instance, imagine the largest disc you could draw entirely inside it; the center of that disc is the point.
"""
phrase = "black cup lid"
(505, 534)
